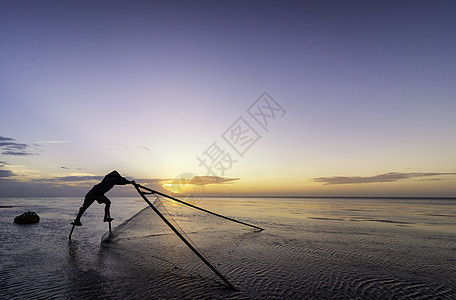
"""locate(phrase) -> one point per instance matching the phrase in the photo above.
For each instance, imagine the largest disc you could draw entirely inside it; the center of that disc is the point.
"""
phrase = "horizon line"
(260, 196)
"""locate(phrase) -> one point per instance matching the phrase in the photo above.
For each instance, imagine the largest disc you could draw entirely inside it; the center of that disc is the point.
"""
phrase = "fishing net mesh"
(146, 235)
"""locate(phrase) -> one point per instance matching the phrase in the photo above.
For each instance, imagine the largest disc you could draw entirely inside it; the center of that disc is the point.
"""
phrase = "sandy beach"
(321, 248)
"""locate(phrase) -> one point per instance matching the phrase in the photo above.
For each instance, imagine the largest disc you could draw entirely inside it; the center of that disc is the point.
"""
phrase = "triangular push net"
(174, 229)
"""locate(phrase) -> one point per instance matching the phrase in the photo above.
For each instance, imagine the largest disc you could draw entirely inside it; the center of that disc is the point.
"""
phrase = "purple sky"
(145, 87)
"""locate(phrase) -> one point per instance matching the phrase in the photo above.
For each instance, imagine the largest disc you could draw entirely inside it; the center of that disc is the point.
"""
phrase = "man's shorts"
(91, 197)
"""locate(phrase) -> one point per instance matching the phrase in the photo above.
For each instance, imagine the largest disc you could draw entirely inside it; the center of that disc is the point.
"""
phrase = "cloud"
(72, 178)
(145, 148)
(197, 180)
(205, 180)
(67, 186)
(387, 177)
(53, 142)
(5, 173)
(149, 181)
(15, 188)
(189, 183)
(9, 146)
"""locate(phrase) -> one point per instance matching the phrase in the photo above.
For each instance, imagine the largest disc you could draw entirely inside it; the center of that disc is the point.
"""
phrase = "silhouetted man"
(97, 193)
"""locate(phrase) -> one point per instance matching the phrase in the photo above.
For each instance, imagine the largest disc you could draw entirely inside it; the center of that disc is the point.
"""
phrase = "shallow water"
(320, 248)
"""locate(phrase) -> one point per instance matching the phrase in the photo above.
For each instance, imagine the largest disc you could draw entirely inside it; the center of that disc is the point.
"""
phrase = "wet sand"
(310, 249)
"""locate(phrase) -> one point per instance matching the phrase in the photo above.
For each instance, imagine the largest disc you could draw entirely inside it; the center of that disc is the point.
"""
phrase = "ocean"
(310, 248)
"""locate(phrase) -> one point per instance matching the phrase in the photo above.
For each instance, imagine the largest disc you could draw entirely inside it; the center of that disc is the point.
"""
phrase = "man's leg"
(82, 209)
(107, 202)
(88, 200)
(107, 217)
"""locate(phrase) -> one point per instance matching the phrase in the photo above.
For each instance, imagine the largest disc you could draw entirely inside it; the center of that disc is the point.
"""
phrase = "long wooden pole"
(196, 207)
(71, 232)
(184, 239)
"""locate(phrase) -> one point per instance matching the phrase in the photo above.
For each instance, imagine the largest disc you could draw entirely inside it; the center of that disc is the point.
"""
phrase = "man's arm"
(122, 181)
